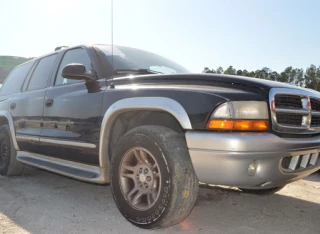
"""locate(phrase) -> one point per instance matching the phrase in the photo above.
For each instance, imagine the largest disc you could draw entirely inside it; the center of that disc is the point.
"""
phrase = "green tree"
(220, 70)
(299, 77)
(245, 72)
(239, 73)
(252, 74)
(207, 70)
(285, 76)
(274, 76)
(311, 78)
(230, 71)
(257, 74)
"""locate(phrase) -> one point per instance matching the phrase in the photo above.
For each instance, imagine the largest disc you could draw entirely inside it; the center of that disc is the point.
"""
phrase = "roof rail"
(60, 48)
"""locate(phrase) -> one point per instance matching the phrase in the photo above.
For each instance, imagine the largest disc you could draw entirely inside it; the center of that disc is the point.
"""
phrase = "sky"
(248, 34)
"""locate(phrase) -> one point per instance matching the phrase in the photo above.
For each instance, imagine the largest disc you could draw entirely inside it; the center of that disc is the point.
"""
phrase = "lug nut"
(146, 185)
(140, 184)
(145, 171)
(148, 178)
(140, 170)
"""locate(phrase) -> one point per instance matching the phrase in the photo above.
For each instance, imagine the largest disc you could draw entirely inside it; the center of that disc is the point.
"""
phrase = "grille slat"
(289, 119)
(288, 101)
(300, 162)
(315, 121)
(305, 160)
(315, 104)
(314, 158)
(294, 162)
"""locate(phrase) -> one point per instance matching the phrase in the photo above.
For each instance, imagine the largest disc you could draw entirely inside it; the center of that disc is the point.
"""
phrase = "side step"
(75, 170)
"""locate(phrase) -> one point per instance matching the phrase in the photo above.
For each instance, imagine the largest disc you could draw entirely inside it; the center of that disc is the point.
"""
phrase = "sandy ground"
(42, 202)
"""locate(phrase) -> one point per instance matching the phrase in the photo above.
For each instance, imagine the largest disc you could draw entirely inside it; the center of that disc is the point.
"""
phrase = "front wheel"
(152, 178)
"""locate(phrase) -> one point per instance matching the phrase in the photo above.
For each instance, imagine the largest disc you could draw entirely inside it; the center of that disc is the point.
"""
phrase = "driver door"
(72, 115)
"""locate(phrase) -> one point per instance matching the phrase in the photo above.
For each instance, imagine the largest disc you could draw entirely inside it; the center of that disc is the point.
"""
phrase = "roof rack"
(60, 48)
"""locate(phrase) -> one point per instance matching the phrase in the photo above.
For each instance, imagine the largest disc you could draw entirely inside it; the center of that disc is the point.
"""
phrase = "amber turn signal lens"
(221, 124)
(238, 125)
(260, 125)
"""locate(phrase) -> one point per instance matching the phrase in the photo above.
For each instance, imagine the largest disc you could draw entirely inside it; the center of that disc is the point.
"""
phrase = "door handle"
(49, 102)
(12, 106)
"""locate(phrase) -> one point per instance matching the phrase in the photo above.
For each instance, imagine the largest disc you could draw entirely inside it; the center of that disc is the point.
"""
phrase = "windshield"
(125, 58)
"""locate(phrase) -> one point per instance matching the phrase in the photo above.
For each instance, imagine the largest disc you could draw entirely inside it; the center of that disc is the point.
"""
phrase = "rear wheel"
(9, 166)
(152, 177)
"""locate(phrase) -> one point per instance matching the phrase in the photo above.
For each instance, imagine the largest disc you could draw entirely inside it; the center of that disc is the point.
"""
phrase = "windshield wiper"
(139, 71)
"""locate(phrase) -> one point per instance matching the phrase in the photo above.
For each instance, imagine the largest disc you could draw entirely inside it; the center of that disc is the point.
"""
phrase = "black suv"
(151, 129)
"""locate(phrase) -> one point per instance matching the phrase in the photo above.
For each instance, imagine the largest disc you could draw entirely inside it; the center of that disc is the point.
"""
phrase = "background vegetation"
(309, 78)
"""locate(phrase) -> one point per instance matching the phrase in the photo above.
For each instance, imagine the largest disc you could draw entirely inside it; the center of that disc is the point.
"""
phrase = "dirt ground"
(42, 202)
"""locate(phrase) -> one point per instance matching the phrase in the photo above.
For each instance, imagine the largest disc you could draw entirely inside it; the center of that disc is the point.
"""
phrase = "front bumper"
(224, 158)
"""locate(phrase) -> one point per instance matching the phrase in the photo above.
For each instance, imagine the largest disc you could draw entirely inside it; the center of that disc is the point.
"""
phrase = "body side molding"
(27, 138)
(67, 142)
(7, 115)
(140, 103)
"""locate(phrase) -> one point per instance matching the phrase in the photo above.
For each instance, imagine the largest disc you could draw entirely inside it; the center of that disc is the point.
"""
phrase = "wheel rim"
(4, 154)
(140, 178)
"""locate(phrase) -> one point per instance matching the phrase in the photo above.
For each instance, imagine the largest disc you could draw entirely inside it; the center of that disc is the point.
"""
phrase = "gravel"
(42, 202)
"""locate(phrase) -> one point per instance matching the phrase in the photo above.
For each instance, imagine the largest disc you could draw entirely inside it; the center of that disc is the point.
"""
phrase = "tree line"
(309, 78)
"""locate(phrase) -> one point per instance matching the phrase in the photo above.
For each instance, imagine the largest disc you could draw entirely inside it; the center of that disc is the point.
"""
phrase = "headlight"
(240, 116)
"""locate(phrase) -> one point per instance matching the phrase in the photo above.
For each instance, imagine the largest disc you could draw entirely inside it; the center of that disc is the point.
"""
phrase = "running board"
(75, 170)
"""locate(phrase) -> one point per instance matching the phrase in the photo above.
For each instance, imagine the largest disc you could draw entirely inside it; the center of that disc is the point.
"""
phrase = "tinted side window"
(15, 79)
(41, 73)
(73, 56)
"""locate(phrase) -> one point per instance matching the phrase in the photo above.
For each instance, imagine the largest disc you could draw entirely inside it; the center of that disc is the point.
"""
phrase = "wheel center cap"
(142, 178)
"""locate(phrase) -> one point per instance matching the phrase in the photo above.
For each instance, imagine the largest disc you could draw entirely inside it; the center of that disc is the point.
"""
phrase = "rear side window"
(15, 79)
(41, 73)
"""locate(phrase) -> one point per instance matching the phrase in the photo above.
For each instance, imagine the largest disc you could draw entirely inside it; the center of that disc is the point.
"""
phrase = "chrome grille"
(295, 111)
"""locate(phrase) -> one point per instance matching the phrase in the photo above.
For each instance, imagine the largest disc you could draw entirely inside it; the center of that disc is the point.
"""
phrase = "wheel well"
(131, 119)
(3, 120)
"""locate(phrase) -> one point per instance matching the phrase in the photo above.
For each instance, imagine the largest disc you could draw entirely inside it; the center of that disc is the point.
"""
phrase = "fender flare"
(138, 103)
(8, 116)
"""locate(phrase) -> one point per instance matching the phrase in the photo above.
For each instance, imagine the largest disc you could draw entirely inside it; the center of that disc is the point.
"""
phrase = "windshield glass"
(126, 58)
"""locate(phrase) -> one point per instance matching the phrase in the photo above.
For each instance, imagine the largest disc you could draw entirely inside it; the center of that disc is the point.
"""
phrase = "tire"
(262, 191)
(170, 195)
(9, 166)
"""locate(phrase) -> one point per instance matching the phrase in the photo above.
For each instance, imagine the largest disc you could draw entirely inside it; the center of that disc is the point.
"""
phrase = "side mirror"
(77, 71)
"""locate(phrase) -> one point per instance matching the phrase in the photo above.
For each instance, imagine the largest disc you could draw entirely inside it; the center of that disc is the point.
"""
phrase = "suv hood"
(236, 82)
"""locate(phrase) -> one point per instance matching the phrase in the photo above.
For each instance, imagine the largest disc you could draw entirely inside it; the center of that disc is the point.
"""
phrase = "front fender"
(137, 103)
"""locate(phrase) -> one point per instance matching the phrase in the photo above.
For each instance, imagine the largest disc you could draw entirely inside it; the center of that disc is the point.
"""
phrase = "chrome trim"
(292, 111)
(11, 126)
(314, 158)
(305, 160)
(294, 162)
(100, 179)
(140, 103)
(306, 111)
(27, 138)
(315, 113)
(68, 143)
(224, 158)
(249, 142)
